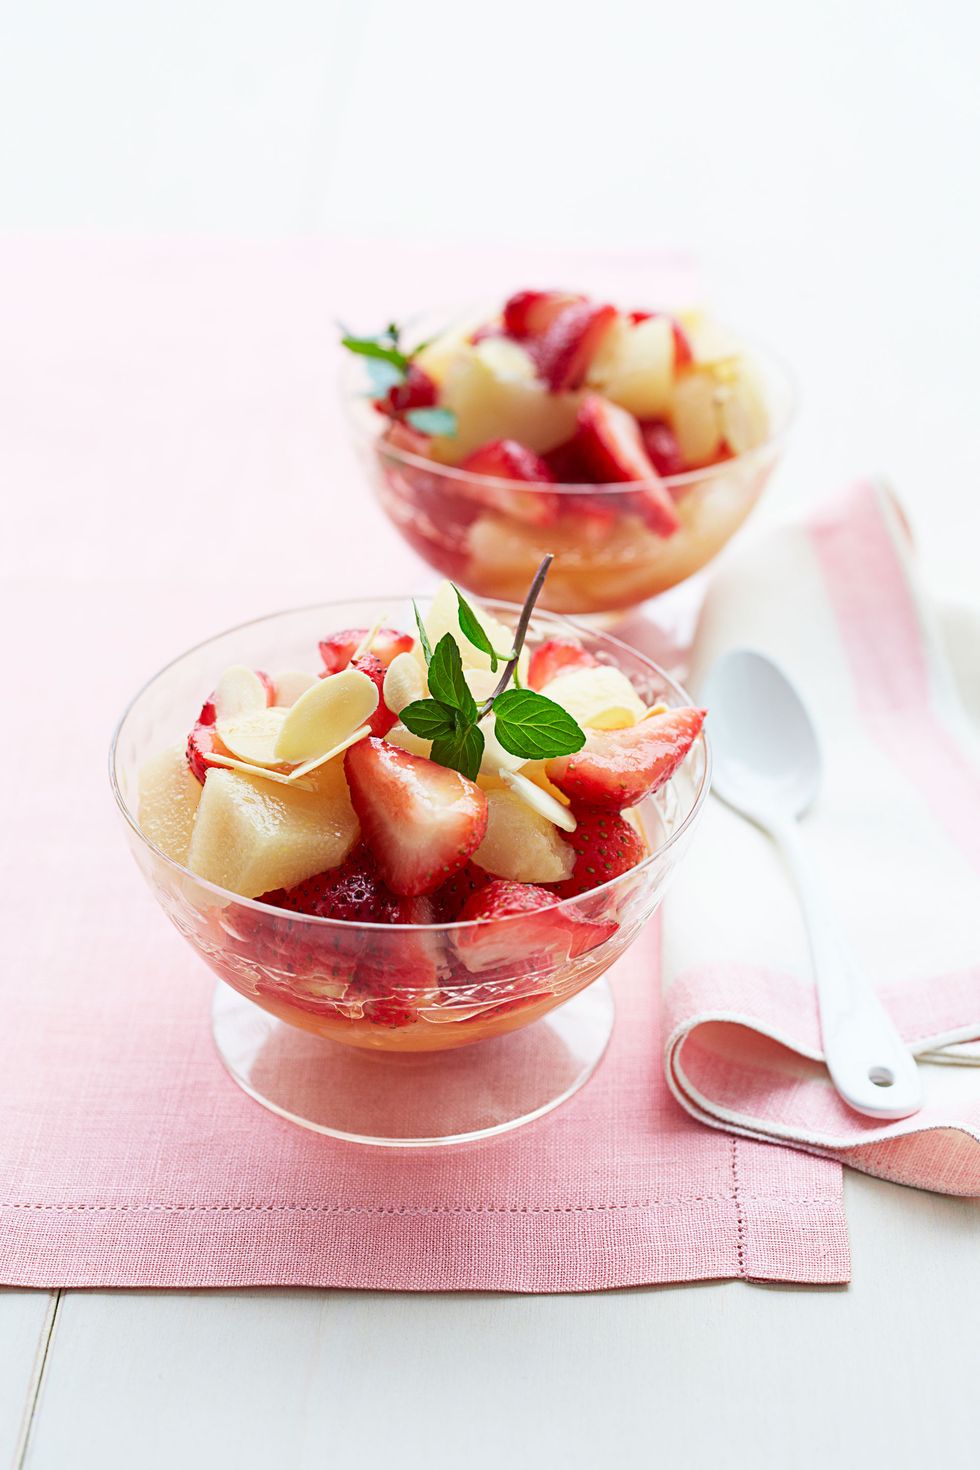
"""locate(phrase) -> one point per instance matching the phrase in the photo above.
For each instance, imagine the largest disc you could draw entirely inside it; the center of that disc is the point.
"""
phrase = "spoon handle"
(871, 1067)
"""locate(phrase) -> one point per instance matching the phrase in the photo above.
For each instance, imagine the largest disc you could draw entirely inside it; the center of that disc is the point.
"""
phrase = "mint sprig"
(387, 367)
(525, 722)
(471, 628)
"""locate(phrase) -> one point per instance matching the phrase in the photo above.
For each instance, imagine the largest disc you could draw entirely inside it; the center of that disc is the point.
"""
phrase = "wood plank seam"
(41, 1359)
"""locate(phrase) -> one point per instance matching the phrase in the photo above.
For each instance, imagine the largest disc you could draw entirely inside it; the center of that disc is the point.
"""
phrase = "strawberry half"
(506, 459)
(382, 719)
(530, 313)
(612, 443)
(539, 935)
(338, 650)
(563, 354)
(606, 845)
(556, 656)
(660, 443)
(420, 820)
(416, 391)
(447, 901)
(618, 768)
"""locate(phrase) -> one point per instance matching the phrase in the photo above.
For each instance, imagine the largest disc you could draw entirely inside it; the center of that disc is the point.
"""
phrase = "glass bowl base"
(413, 1099)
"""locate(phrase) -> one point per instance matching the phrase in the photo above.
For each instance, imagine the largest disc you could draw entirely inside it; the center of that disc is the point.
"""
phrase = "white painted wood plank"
(24, 1321)
(711, 1374)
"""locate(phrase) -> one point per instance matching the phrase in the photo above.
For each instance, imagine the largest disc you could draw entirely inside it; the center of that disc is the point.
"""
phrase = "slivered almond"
(252, 737)
(539, 801)
(326, 715)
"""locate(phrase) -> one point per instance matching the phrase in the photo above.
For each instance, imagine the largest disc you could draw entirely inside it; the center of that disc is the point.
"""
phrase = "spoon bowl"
(767, 756)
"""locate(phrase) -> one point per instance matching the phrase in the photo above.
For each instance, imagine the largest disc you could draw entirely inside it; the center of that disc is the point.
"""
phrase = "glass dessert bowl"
(350, 1005)
(631, 445)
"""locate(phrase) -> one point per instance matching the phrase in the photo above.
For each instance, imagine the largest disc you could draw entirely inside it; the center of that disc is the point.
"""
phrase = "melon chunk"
(168, 799)
(521, 844)
(637, 369)
(602, 697)
(491, 407)
(251, 836)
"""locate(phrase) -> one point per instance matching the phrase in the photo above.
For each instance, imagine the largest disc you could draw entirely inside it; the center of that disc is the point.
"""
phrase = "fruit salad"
(469, 803)
(630, 443)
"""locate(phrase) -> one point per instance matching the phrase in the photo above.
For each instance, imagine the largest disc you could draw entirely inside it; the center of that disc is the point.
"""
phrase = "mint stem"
(534, 593)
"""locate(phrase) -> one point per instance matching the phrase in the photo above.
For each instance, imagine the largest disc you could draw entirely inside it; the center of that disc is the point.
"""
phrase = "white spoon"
(767, 767)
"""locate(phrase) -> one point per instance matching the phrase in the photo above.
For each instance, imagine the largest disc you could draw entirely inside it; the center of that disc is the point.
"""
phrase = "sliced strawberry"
(399, 972)
(338, 650)
(376, 973)
(506, 459)
(660, 443)
(563, 354)
(568, 464)
(538, 935)
(618, 768)
(421, 820)
(530, 313)
(605, 844)
(448, 900)
(556, 656)
(382, 719)
(417, 390)
(612, 442)
(683, 351)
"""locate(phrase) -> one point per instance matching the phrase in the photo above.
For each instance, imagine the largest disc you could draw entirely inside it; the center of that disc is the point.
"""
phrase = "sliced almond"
(601, 697)
(238, 691)
(365, 644)
(252, 737)
(323, 717)
(290, 684)
(539, 801)
(404, 682)
(282, 778)
(295, 776)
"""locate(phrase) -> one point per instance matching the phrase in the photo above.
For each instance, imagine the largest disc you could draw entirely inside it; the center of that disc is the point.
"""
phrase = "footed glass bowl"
(490, 535)
(403, 1067)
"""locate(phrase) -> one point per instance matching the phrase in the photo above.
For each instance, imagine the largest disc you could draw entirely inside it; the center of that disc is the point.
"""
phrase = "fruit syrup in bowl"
(410, 841)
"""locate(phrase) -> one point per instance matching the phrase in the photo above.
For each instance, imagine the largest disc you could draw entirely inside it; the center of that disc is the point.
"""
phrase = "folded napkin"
(896, 829)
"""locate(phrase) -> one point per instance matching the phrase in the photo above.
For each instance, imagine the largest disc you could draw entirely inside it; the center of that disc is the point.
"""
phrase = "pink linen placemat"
(172, 463)
(896, 829)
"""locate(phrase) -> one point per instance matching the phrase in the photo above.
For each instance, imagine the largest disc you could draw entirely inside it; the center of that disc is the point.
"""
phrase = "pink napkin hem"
(759, 1237)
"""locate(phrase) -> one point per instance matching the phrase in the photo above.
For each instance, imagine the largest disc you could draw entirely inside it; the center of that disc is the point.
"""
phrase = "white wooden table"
(822, 161)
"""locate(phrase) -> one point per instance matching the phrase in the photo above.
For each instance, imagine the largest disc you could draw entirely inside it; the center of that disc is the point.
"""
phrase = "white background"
(822, 161)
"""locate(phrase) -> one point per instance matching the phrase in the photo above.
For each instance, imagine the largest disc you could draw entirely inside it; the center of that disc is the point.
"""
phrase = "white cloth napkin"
(896, 830)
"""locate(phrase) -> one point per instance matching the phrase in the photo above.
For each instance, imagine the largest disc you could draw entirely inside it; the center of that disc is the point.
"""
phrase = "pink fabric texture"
(174, 462)
(743, 1039)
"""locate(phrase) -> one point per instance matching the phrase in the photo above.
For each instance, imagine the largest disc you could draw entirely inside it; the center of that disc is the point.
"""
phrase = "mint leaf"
(381, 348)
(383, 375)
(472, 629)
(423, 635)
(433, 420)
(462, 751)
(532, 726)
(446, 681)
(429, 719)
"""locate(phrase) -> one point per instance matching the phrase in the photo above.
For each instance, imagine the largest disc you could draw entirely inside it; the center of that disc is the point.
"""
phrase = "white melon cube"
(696, 418)
(168, 799)
(491, 407)
(251, 835)
(602, 697)
(637, 369)
(522, 845)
